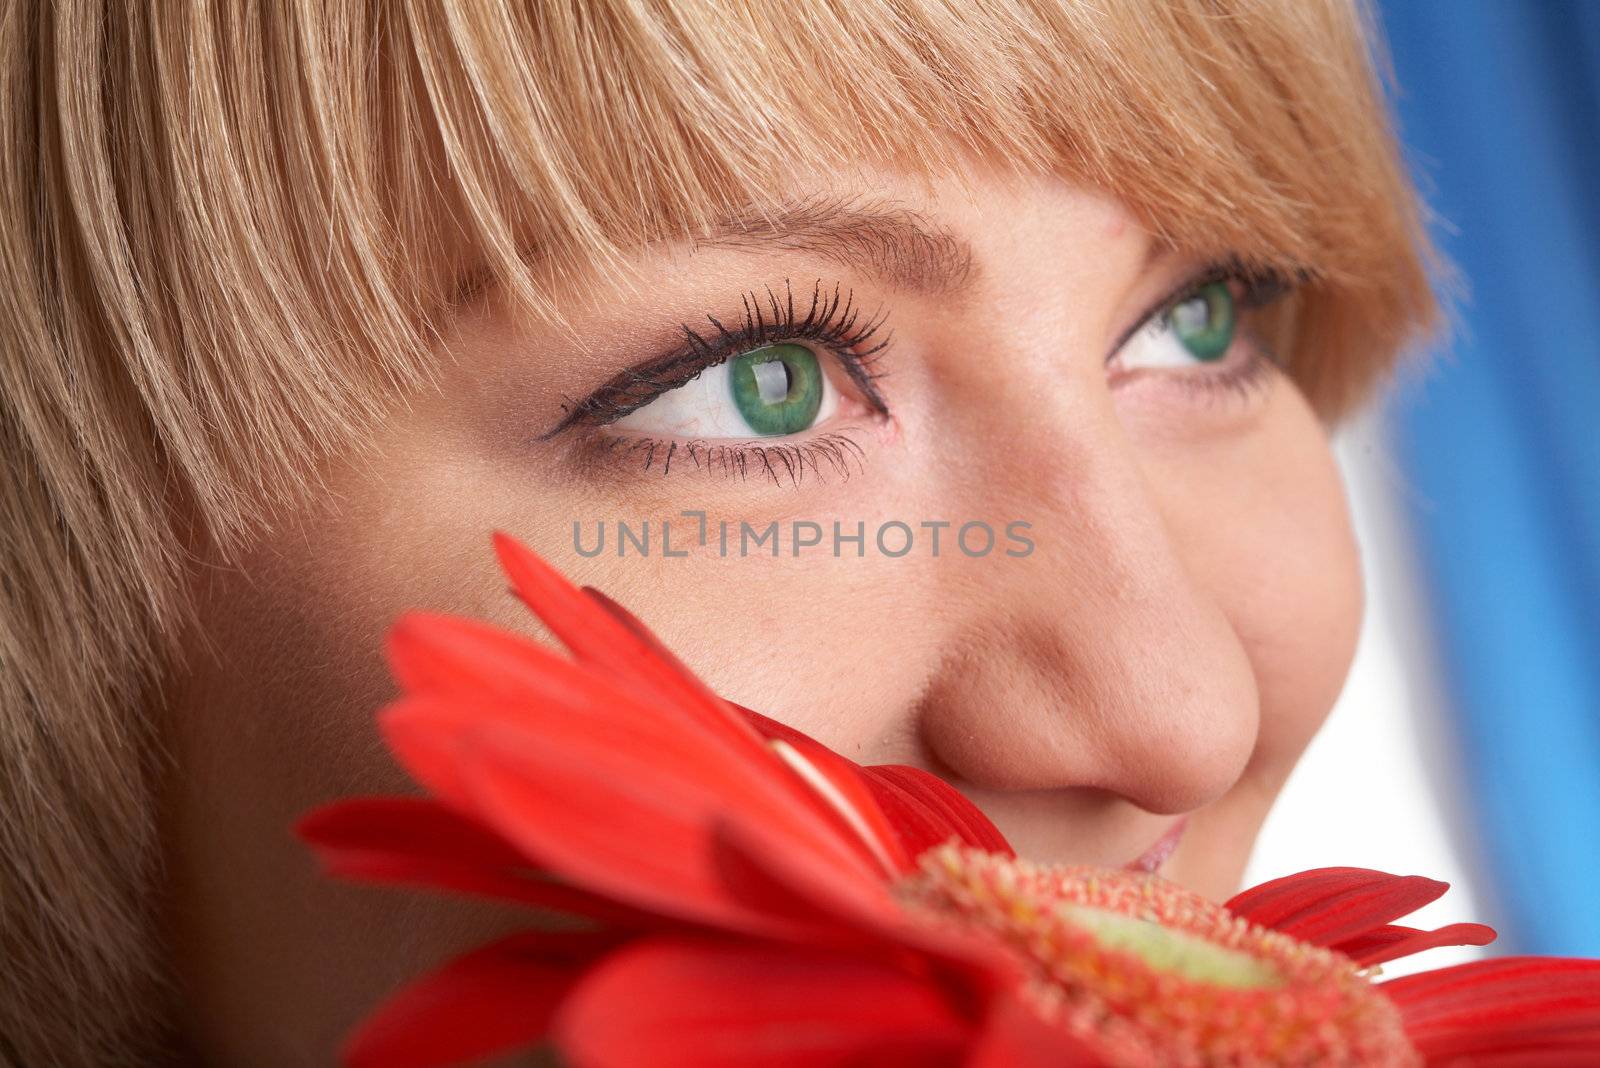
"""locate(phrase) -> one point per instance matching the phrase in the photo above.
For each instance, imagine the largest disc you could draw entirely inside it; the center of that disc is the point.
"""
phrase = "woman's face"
(1163, 619)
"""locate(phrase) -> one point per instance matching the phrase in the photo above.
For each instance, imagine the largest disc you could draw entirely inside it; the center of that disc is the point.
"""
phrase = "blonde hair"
(227, 229)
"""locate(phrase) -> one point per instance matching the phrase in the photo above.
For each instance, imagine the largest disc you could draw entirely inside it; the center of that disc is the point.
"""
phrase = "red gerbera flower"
(750, 897)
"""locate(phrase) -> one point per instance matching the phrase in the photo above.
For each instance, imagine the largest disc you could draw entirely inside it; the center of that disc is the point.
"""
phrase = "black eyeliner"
(1261, 287)
(833, 320)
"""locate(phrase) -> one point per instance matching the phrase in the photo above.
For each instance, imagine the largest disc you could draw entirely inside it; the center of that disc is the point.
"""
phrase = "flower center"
(1153, 974)
(1174, 952)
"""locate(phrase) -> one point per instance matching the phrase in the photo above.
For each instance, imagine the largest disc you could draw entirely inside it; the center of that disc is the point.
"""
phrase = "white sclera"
(704, 409)
(1156, 344)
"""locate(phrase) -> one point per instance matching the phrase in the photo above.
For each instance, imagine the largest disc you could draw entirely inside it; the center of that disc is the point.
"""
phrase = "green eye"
(777, 388)
(1204, 322)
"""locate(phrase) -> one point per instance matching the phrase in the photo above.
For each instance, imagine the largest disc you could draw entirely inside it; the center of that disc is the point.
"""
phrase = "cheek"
(1261, 520)
(275, 715)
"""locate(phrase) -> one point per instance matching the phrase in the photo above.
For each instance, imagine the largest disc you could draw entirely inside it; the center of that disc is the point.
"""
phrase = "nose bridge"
(1097, 660)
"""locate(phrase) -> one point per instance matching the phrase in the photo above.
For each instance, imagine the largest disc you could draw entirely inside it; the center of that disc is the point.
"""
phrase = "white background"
(1378, 787)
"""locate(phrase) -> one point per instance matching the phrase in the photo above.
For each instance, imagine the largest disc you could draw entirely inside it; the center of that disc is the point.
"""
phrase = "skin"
(1174, 640)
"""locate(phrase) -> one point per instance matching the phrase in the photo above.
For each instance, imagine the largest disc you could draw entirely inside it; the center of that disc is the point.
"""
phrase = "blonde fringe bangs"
(228, 230)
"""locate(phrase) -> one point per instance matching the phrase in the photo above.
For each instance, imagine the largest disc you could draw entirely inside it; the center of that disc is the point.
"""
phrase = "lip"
(1151, 859)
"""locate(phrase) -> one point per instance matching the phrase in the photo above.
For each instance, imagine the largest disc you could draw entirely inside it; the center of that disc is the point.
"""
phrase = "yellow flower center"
(1155, 975)
(1174, 952)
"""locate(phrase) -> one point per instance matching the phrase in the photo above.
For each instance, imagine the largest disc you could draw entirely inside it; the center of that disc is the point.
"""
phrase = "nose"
(1097, 660)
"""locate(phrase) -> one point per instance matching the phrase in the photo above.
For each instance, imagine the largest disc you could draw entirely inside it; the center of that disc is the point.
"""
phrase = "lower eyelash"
(1242, 381)
(836, 452)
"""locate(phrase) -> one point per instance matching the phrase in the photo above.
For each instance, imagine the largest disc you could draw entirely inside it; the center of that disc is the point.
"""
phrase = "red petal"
(845, 777)
(418, 842)
(488, 675)
(443, 656)
(628, 810)
(1580, 1054)
(494, 999)
(603, 634)
(1326, 906)
(924, 810)
(800, 888)
(430, 653)
(414, 826)
(694, 1004)
(564, 703)
(448, 656)
(1497, 1011)
(768, 727)
(862, 919)
(1016, 1036)
(1393, 942)
(934, 810)
(920, 828)
(690, 683)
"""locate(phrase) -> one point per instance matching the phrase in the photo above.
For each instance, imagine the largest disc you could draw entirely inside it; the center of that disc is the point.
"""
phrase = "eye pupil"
(1204, 323)
(777, 388)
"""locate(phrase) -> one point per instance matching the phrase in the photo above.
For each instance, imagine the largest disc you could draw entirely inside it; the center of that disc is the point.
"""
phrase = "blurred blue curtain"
(1499, 106)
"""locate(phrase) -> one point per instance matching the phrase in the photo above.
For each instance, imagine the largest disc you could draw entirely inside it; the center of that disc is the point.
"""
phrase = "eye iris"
(777, 388)
(1204, 323)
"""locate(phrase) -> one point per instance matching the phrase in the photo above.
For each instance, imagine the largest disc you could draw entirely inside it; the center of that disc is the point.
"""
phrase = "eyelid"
(1261, 287)
(833, 322)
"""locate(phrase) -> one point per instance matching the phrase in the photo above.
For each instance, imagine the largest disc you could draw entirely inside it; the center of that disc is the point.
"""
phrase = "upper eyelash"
(833, 319)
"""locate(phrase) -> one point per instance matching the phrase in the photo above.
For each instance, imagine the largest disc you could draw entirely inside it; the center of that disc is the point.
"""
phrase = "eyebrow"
(901, 246)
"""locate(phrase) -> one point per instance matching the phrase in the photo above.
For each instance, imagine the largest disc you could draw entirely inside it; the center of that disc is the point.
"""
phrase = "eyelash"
(1258, 288)
(833, 322)
(837, 452)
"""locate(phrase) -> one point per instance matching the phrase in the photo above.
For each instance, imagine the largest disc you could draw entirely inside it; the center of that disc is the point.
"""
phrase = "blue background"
(1499, 107)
